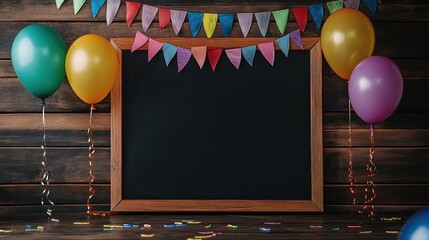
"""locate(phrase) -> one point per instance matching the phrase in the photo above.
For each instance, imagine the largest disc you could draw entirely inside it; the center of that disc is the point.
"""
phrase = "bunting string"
(371, 171)
(210, 19)
(45, 171)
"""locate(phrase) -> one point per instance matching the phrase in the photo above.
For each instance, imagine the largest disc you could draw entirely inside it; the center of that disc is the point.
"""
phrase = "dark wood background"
(402, 142)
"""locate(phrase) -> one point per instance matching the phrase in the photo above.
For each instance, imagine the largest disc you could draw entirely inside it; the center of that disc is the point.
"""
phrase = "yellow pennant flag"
(209, 22)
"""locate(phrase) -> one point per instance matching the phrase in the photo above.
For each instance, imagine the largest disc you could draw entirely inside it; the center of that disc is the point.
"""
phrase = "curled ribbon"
(45, 172)
(352, 179)
(371, 171)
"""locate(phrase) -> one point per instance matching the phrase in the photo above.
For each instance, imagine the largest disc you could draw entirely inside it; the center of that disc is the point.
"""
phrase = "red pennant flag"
(164, 17)
(214, 55)
(132, 10)
(301, 17)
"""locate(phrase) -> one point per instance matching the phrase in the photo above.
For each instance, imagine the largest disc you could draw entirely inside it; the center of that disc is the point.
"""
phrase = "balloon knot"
(43, 103)
(92, 108)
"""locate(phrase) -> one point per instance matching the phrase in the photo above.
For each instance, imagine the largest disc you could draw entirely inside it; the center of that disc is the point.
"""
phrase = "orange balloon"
(347, 38)
(92, 67)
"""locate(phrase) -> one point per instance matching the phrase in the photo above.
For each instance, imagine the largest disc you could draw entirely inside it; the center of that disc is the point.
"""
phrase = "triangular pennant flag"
(249, 53)
(96, 6)
(132, 10)
(164, 17)
(316, 12)
(169, 51)
(226, 21)
(283, 43)
(59, 3)
(352, 4)
(214, 55)
(334, 6)
(148, 14)
(209, 21)
(183, 56)
(195, 20)
(301, 17)
(234, 56)
(154, 47)
(281, 17)
(77, 5)
(112, 9)
(245, 21)
(177, 19)
(263, 19)
(296, 38)
(139, 40)
(199, 54)
(267, 50)
(372, 5)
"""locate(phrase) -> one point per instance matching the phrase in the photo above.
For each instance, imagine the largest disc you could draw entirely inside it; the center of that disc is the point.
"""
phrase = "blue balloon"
(417, 227)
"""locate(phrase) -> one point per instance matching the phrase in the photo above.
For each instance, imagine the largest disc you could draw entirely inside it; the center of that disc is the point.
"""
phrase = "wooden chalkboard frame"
(315, 204)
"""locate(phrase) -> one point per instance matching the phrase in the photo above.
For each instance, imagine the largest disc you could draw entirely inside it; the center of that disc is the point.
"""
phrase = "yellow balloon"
(347, 38)
(92, 67)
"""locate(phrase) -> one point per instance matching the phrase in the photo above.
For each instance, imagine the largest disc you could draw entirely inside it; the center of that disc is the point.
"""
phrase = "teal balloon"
(38, 58)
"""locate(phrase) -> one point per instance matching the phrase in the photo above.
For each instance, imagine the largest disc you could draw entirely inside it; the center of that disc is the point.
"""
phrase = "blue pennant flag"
(169, 52)
(316, 12)
(372, 5)
(249, 53)
(195, 20)
(226, 21)
(283, 43)
(96, 6)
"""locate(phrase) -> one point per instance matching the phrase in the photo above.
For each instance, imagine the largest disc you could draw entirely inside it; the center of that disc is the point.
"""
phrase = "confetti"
(203, 237)
(264, 229)
(112, 226)
(336, 229)
(147, 226)
(193, 222)
(390, 219)
(147, 235)
(392, 232)
(181, 225)
(107, 229)
(31, 230)
(29, 226)
(81, 223)
(365, 232)
(272, 223)
(169, 225)
(208, 226)
(316, 226)
(214, 234)
(5, 230)
(40, 228)
(231, 226)
(354, 226)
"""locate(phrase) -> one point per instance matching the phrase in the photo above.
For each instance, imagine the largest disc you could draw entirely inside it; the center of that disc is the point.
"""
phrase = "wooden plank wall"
(402, 142)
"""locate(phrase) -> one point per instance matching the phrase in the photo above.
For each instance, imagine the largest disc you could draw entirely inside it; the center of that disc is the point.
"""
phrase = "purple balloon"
(375, 89)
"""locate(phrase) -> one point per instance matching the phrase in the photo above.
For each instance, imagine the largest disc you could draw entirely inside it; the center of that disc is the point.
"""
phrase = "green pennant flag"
(77, 5)
(59, 3)
(334, 6)
(281, 17)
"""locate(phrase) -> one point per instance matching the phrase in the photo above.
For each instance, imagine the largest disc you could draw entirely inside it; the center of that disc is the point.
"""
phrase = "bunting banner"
(209, 22)
(209, 19)
(352, 4)
(177, 19)
(96, 6)
(164, 18)
(195, 20)
(316, 11)
(281, 17)
(334, 6)
(112, 9)
(132, 8)
(226, 21)
(201, 53)
(245, 21)
(148, 14)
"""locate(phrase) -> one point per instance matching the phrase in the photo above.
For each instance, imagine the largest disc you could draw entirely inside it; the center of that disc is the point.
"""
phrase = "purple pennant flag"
(177, 19)
(148, 14)
(245, 21)
(183, 56)
(112, 9)
(263, 19)
(296, 38)
(352, 4)
(234, 56)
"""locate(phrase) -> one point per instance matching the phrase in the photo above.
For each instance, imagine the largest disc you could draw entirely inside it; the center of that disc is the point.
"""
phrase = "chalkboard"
(224, 140)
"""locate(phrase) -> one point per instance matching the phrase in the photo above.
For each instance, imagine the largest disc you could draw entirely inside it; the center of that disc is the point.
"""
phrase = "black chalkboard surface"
(218, 136)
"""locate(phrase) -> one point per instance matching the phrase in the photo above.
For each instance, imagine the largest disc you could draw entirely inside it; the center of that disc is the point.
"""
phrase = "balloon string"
(45, 173)
(91, 171)
(371, 170)
(352, 179)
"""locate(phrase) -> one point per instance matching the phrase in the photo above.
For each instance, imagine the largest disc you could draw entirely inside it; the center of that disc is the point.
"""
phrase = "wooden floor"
(261, 227)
